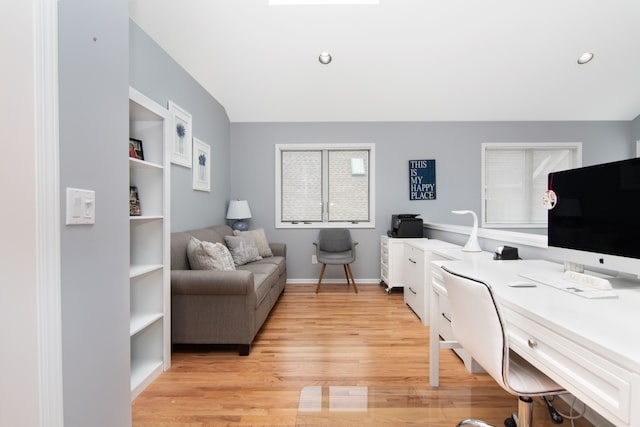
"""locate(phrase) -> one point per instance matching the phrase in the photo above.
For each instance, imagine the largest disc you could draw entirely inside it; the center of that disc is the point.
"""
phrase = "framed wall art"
(201, 165)
(134, 202)
(422, 179)
(181, 135)
(135, 149)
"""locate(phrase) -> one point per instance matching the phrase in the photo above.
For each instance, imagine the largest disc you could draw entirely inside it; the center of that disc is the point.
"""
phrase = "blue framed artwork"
(422, 179)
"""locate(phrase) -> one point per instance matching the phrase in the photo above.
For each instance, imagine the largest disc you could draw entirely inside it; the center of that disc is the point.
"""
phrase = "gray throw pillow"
(259, 238)
(243, 249)
(209, 256)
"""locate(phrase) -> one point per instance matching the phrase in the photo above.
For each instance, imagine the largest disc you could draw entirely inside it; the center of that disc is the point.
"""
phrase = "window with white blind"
(320, 185)
(514, 179)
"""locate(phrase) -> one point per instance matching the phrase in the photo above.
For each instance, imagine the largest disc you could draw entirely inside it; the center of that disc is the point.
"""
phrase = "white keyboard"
(555, 280)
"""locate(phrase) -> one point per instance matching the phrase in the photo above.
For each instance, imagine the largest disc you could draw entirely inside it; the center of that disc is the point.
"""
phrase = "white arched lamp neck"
(472, 244)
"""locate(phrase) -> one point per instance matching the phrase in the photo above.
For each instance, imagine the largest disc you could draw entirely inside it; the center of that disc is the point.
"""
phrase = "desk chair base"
(522, 418)
(347, 272)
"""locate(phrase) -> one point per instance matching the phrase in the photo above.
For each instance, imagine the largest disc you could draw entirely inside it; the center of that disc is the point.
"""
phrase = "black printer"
(405, 225)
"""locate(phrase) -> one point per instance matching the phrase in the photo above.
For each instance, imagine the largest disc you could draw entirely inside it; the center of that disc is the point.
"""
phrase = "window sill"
(316, 225)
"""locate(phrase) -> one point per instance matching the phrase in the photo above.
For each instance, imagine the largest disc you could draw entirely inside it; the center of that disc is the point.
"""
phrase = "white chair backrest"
(476, 322)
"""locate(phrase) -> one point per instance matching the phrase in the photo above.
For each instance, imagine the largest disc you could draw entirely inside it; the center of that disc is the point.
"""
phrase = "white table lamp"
(239, 210)
(472, 244)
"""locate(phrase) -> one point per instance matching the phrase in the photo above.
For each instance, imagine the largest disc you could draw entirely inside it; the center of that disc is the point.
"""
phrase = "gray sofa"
(222, 307)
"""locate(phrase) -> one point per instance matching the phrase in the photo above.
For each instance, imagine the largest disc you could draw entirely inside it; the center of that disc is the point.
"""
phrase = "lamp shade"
(238, 209)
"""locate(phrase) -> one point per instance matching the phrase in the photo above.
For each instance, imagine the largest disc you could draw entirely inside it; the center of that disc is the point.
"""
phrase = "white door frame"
(48, 264)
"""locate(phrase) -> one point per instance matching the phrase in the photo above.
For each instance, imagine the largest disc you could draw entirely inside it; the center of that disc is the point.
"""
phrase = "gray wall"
(93, 88)
(456, 147)
(155, 74)
(635, 133)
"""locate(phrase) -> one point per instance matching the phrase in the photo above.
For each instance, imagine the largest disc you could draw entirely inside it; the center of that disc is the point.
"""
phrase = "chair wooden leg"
(320, 279)
(348, 268)
(346, 273)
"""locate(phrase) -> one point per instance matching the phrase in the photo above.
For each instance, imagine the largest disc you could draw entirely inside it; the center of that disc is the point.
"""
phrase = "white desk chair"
(479, 328)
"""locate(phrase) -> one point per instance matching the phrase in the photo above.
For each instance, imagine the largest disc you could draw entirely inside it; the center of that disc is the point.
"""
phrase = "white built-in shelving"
(149, 234)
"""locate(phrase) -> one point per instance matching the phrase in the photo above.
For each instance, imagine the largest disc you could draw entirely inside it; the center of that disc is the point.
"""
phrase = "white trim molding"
(47, 178)
(534, 240)
(326, 281)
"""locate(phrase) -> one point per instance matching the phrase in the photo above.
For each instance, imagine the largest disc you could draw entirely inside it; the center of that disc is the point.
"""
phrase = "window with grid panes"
(319, 185)
(514, 179)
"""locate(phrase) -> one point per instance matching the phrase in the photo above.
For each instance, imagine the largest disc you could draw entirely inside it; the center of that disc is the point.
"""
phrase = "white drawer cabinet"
(384, 260)
(405, 263)
(392, 261)
(414, 283)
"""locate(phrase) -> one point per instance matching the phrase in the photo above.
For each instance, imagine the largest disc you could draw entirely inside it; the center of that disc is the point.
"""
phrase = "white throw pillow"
(259, 238)
(243, 249)
(209, 256)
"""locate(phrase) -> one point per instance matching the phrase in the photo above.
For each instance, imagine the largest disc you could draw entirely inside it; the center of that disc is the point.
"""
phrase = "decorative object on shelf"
(239, 209)
(134, 202)
(181, 137)
(135, 149)
(422, 179)
(472, 244)
(201, 165)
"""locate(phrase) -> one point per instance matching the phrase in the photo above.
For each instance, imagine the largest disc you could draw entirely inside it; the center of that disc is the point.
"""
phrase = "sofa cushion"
(260, 239)
(265, 276)
(209, 256)
(243, 249)
(278, 261)
(209, 234)
(180, 240)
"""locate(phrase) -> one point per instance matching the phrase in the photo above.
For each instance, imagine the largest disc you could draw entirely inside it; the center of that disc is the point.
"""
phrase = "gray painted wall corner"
(155, 74)
(93, 90)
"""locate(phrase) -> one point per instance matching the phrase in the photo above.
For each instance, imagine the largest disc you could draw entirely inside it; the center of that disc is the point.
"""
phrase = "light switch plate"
(81, 206)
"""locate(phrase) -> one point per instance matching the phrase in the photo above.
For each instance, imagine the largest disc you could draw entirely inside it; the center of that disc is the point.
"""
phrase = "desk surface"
(606, 327)
(610, 325)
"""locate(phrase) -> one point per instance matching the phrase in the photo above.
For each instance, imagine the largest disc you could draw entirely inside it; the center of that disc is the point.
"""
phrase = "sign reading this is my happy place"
(422, 179)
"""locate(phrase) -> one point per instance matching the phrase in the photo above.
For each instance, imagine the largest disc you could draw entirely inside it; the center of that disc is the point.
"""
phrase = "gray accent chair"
(478, 326)
(335, 247)
(222, 307)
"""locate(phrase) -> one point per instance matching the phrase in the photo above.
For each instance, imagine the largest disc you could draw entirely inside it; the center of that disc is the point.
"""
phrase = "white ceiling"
(406, 60)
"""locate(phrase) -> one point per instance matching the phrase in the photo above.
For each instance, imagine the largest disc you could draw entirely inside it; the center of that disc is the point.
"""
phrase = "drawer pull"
(532, 343)
(446, 317)
(412, 261)
(412, 291)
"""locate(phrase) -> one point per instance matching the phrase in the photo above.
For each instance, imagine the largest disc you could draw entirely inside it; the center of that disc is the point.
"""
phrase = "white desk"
(590, 347)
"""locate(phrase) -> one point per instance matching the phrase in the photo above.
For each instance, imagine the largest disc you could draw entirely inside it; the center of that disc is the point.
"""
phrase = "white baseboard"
(332, 281)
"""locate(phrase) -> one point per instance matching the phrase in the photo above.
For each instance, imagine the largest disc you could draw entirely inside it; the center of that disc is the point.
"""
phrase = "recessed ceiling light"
(325, 58)
(585, 57)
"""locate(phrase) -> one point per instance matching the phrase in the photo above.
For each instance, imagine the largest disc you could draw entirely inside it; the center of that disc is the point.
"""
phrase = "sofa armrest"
(278, 249)
(211, 282)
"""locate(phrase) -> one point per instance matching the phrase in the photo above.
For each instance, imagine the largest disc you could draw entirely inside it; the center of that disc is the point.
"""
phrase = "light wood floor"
(333, 338)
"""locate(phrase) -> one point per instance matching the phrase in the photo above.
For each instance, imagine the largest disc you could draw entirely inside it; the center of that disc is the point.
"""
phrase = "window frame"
(279, 148)
(575, 147)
